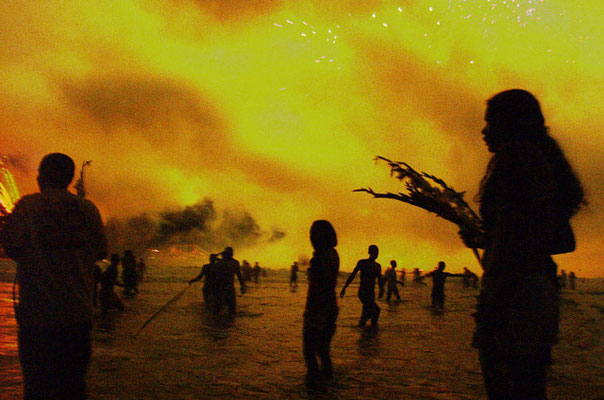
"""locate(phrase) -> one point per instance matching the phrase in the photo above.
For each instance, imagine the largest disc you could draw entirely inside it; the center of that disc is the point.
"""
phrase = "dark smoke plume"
(200, 224)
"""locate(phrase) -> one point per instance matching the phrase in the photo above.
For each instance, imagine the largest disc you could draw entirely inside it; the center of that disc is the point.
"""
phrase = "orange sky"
(278, 107)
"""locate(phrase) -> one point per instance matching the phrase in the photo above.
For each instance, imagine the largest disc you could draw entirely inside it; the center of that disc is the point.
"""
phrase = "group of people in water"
(219, 284)
(527, 197)
(105, 281)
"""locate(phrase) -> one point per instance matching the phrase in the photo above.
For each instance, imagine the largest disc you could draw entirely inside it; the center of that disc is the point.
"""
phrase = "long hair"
(518, 114)
(322, 235)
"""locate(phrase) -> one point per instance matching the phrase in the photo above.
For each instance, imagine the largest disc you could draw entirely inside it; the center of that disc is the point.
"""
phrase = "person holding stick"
(527, 198)
(209, 285)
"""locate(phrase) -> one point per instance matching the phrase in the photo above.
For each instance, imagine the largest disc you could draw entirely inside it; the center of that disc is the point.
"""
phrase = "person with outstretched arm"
(371, 272)
(439, 277)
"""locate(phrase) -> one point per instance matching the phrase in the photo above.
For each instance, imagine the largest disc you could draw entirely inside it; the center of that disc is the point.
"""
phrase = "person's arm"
(198, 277)
(380, 280)
(349, 280)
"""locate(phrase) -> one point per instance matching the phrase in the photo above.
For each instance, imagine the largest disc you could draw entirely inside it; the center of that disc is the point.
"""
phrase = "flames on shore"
(9, 192)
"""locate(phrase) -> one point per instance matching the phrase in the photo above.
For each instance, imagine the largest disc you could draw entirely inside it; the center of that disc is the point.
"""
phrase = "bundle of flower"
(431, 194)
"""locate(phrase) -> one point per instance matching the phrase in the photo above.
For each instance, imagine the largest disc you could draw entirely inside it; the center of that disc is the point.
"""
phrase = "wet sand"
(415, 354)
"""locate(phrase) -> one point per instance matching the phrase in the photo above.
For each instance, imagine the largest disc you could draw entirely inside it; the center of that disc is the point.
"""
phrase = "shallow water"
(415, 354)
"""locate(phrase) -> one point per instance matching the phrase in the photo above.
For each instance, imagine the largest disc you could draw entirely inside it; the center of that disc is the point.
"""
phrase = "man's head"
(373, 251)
(227, 253)
(55, 171)
(441, 265)
(393, 264)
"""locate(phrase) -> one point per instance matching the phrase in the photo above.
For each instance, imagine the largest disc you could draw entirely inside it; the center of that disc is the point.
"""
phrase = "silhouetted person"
(293, 275)
(141, 268)
(572, 280)
(321, 309)
(226, 271)
(210, 272)
(527, 197)
(246, 271)
(417, 276)
(256, 272)
(562, 279)
(109, 300)
(467, 276)
(129, 276)
(55, 237)
(371, 272)
(474, 280)
(439, 277)
(391, 281)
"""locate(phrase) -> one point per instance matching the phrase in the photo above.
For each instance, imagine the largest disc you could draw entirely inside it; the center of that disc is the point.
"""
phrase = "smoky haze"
(200, 224)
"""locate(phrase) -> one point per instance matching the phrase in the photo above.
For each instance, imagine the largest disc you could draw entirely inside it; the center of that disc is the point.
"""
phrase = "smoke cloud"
(200, 224)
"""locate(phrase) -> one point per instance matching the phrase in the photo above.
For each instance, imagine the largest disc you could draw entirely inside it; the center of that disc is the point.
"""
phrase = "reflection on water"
(187, 353)
(10, 371)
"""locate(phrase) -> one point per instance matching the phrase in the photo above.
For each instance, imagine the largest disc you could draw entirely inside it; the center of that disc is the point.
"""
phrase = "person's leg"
(323, 351)
(232, 302)
(73, 361)
(396, 293)
(309, 343)
(495, 373)
(54, 362)
(375, 315)
(528, 377)
(366, 312)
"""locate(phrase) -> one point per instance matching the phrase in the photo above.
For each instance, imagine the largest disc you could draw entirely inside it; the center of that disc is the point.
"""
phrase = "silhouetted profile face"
(373, 251)
(393, 264)
(55, 171)
(512, 115)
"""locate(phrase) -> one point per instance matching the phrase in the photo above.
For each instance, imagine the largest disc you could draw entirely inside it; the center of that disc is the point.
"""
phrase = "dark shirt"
(322, 279)
(108, 279)
(438, 280)
(371, 272)
(225, 274)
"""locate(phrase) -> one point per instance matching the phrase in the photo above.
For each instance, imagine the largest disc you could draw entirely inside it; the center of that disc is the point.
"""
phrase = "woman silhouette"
(321, 309)
(527, 197)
